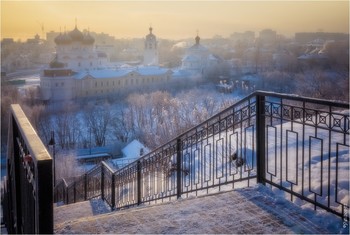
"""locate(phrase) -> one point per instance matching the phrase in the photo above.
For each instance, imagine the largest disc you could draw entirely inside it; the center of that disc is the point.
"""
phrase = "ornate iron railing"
(296, 144)
(28, 195)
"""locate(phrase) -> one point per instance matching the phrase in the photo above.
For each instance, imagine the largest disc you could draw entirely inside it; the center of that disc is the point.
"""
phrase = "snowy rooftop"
(190, 58)
(250, 210)
(121, 72)
(132, 150)
(185, 74)
(197, 47)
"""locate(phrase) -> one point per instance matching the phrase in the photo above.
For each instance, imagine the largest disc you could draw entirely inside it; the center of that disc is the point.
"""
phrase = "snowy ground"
(249, 210)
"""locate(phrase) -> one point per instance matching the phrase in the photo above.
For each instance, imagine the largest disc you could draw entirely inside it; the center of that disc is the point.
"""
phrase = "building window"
(113, 83)
(101, 84)
(90, 64)
(107, 83)
(95, 84)
(79, 64)
(62, 83)
(56, 84)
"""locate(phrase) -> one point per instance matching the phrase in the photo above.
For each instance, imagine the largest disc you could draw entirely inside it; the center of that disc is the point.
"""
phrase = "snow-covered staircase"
(249, 210)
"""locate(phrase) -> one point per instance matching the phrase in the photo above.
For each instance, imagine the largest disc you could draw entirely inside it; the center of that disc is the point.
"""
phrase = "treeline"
(153, 118)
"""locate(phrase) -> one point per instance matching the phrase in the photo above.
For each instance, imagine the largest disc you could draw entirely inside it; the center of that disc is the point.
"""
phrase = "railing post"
(138, 183)
(178, 168)
(102, 183)
(16, 185)
(260, 138)
(113, 191)
(74, 191)
(65, 194)
(85, 187)
(45, 203)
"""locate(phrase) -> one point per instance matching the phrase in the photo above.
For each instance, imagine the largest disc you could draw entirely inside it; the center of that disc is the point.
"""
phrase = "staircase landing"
(250, 210)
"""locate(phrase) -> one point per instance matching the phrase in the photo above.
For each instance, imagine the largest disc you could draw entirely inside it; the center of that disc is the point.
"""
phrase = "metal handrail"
(169, 172)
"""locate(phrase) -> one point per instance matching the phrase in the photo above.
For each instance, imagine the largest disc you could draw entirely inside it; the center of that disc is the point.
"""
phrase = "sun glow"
(172, 19)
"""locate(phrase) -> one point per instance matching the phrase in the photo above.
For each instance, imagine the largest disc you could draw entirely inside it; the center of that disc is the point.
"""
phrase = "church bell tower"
(150, 55)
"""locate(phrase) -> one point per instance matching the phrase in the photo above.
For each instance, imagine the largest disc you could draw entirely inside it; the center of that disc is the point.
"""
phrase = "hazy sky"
(172, 19)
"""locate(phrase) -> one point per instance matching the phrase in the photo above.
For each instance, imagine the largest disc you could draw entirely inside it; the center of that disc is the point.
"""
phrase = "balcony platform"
(249, 210)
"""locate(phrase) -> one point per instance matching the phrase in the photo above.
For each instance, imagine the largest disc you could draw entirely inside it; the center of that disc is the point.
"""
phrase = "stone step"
(76, 211)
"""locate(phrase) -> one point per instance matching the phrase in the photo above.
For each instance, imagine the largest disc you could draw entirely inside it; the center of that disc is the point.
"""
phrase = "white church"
(78, 70)
(196, 61)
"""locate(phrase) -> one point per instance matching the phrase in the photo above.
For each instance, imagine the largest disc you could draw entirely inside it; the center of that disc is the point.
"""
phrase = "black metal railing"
(296, 144)
(28, 195)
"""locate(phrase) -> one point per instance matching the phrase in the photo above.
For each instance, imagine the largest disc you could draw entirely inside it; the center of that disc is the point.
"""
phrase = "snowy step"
(79, 210)
(250, 210)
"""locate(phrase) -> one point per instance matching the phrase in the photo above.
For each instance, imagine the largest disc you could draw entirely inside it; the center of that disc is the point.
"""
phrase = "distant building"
(267, 36)
(305, 37)
(35, 40)
(247, 37)
(16, 61)
(315, 53)
(79, 70)
(6, 41)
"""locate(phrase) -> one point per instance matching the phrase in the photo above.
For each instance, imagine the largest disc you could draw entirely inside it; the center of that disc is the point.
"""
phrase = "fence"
(299, 145)
(27, 199)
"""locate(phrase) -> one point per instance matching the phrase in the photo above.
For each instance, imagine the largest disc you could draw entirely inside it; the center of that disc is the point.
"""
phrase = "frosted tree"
(98, 120)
